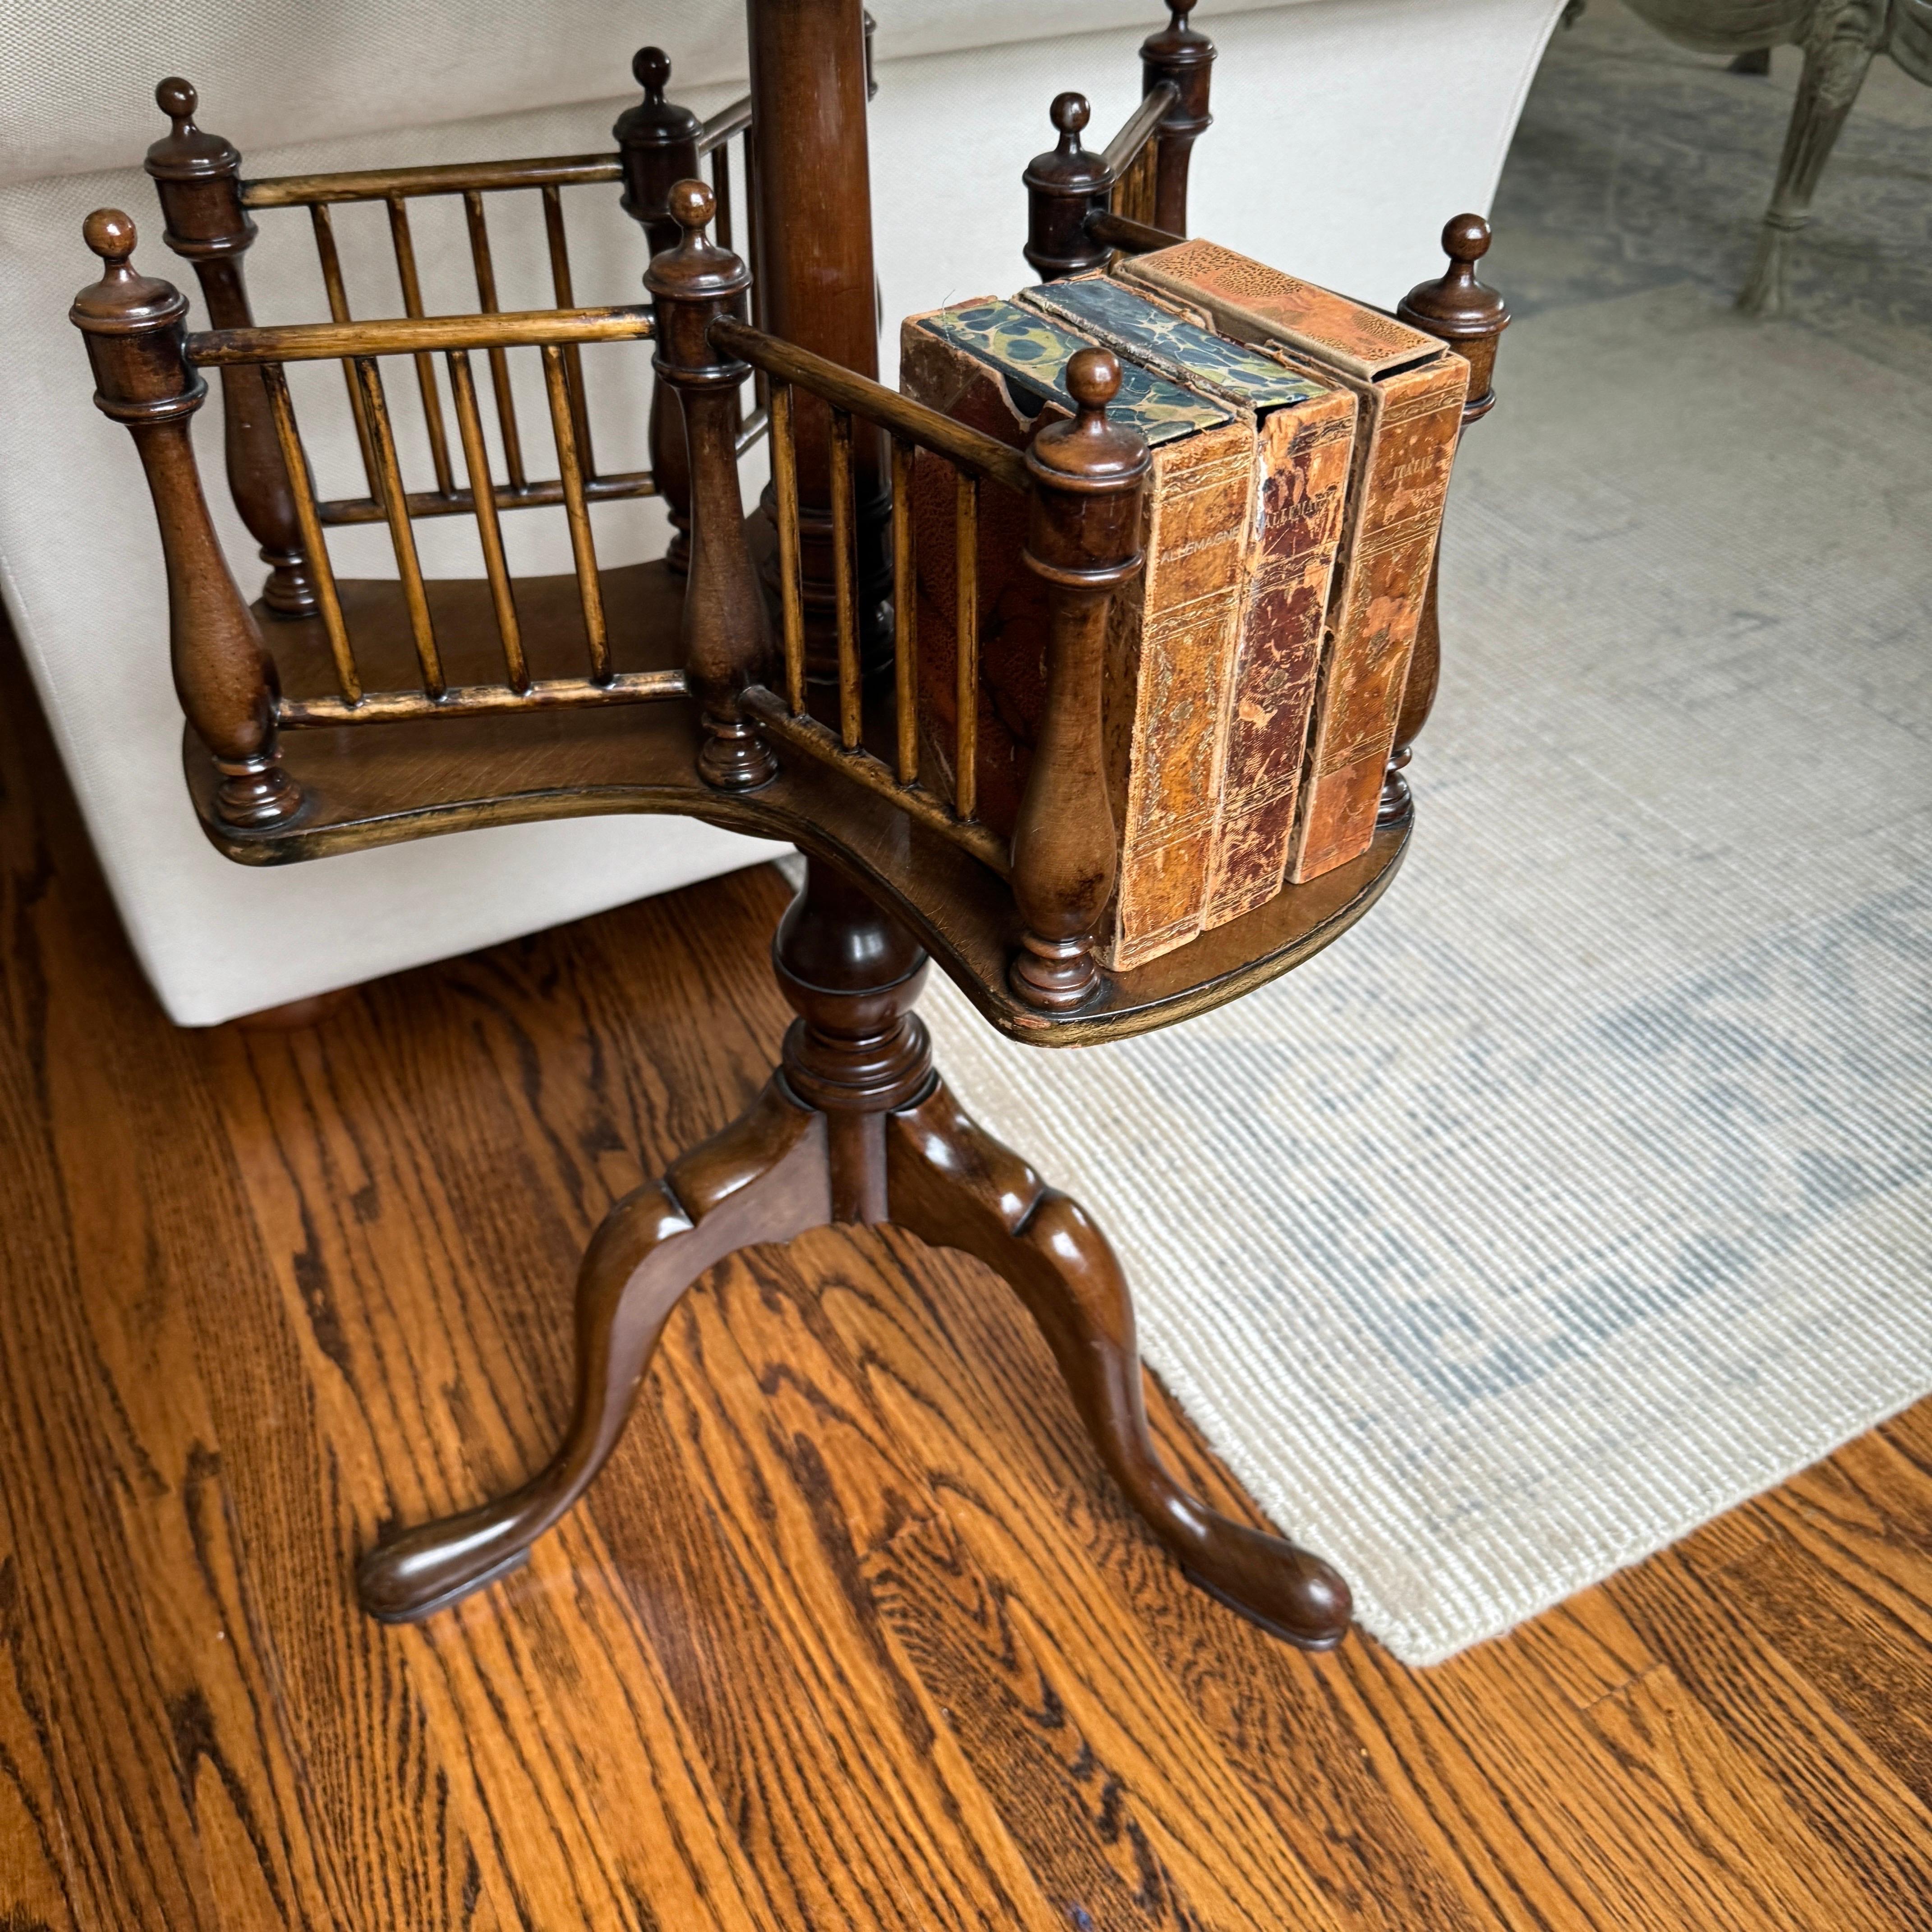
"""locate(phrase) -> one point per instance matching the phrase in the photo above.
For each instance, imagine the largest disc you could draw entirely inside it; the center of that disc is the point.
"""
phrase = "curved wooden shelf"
(378, 784)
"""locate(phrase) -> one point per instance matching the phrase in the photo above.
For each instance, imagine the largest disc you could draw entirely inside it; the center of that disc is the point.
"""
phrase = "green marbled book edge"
(1173, 345)
(1031, 351)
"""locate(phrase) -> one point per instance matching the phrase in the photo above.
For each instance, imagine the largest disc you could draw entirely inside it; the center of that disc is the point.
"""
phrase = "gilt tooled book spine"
(1254, 303)
(1411, 390)
(1303, 467)
(1305, 433)
(1404, 448)
(1170, 637)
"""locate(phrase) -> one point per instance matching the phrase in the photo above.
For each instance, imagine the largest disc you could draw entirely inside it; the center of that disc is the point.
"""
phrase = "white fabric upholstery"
(1347, 131)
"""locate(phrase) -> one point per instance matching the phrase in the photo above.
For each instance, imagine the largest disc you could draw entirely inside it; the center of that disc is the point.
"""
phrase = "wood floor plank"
(36, 1879)
(754, 1411)
(1060, 1627)
(1274, 1709)
(1702, 1625)
(1854, 1647)
(1725, 1805)
(496, 1701)
(855, 1632)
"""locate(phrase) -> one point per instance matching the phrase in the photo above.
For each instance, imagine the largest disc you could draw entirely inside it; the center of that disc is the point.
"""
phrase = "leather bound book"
(1305, 430)
(1411, 390)
(1171, 635)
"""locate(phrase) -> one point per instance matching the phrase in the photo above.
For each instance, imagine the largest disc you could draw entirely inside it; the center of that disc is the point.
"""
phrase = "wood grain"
(856, 1630)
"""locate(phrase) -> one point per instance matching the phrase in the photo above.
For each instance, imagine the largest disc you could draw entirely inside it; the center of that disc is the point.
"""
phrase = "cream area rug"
(1584, 1190)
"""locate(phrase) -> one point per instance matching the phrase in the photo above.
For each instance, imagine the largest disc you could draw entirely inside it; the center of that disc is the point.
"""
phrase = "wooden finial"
(650, 68)
(1179, 54)
(1462, 311)
(1070, 113)
(657, 145)
(1063, 186)
(1082, 542)
(133, 326)
(1471, 317)
(177, 99)
(187, 153)
(124, 302)
(726, 634)
(111, 235)
(197, 177)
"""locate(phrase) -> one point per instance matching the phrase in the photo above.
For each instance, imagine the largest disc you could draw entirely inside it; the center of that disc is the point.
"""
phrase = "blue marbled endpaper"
(1031, 352)
(1171, 343)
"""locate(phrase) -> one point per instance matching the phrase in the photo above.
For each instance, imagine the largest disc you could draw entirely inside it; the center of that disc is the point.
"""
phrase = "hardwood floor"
(854, 1633)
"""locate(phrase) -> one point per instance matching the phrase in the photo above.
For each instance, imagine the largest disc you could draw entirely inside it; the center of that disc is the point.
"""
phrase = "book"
(1170, 634)
(1411, 390)
(1305, 430)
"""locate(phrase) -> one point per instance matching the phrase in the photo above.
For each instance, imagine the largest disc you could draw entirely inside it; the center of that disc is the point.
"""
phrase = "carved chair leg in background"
(1843, 38)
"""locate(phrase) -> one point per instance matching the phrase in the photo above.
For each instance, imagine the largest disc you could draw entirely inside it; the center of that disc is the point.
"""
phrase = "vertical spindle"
(134, 329)
(1083, 541)
(905, 614)
(489, 529)
(197, 177)
(1471, 317)
(726, 637)
(499, 361)
(590, 592)
(405, 247)
(337, 294)
(402, 535)
(843, 611)
(966, 643)
(785, 490)
(573, 356)
(347, 679)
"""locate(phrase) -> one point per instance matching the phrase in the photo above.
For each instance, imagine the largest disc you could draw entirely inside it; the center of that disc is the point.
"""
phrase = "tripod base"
(856, 1126)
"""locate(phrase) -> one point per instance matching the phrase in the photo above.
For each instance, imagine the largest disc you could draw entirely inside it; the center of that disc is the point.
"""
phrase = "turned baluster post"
(1176, 53)
(135, 331)
(727, 641)
(1083, 541)
(1471, 317)
(197, 179)
(657, 144)
(1064, 187)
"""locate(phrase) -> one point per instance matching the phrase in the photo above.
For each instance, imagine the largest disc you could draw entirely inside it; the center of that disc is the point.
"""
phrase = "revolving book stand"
(762, 677)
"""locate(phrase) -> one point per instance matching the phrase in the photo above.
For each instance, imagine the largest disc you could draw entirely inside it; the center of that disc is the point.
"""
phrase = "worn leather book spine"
(1170, 644)
(1254, 303)
(1305, 432)
(1302, 468)
(1411, 391)
(1405, 445)
(1170, 648)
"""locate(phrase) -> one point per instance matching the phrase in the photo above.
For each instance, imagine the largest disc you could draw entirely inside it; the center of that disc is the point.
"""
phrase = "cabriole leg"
(957, 1187)
(764, 1178)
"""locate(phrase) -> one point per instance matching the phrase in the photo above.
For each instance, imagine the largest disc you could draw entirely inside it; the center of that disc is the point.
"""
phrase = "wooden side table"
(767, 686)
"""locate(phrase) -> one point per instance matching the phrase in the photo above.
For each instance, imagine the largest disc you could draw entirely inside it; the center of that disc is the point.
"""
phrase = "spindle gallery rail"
(360, 347)
(210, 212)
(974, 458)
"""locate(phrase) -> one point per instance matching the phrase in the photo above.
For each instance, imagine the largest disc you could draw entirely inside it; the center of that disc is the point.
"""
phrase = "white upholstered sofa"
(1347, 131)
